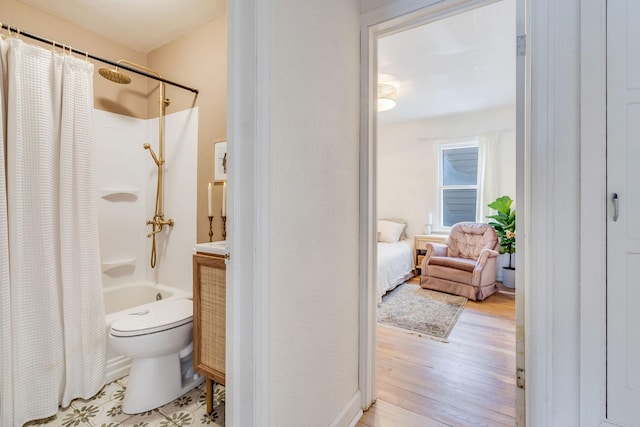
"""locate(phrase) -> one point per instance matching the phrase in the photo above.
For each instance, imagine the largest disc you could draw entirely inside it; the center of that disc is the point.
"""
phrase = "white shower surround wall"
(124, 166)
(127, 177)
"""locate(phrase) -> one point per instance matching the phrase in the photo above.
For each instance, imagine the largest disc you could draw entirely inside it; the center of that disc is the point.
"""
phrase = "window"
(458, 179)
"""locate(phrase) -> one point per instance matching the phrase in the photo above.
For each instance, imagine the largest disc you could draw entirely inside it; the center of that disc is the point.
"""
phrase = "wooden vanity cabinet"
(209, 313)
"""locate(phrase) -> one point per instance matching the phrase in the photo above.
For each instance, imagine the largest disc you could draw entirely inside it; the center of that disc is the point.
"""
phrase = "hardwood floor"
(469, 381)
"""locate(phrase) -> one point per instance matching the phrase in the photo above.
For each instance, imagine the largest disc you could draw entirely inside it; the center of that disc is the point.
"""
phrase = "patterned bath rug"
(421, 311)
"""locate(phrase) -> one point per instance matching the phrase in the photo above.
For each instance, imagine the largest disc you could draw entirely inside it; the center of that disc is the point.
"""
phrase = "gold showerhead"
(115, 76)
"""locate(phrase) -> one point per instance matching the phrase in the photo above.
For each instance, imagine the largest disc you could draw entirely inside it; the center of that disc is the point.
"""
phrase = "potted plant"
(504, 222)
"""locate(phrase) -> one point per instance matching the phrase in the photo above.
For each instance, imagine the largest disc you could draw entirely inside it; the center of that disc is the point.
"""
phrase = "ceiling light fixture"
(386, 96)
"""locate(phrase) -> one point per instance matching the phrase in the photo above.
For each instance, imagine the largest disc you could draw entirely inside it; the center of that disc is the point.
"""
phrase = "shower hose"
(153, 251)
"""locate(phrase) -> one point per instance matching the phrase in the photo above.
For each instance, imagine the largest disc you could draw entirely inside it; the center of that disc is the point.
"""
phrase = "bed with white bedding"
(395, 265)
(395, 255)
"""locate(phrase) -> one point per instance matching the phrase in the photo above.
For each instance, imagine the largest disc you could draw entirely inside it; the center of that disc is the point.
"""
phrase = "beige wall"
(129, 100)
(198, 59)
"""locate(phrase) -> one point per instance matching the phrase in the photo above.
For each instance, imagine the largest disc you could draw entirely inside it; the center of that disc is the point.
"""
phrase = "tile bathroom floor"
(105, 410)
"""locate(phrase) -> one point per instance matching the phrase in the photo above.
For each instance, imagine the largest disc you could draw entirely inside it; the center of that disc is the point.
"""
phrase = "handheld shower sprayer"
(155, 159)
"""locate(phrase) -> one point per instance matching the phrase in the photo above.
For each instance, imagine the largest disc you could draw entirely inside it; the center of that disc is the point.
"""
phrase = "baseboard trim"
(117, 367)
(350, 414)
(355, 420)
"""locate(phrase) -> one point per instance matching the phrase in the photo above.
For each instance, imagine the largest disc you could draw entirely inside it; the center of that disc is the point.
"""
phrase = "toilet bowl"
(158, 339)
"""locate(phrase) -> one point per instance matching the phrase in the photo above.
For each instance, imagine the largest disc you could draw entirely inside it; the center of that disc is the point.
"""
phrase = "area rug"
(421, 311)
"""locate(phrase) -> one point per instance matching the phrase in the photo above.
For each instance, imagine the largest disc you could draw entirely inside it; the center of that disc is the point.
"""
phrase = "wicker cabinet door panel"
(210, 316)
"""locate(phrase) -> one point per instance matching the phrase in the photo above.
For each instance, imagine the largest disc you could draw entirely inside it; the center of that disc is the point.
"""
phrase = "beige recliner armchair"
(466, 264)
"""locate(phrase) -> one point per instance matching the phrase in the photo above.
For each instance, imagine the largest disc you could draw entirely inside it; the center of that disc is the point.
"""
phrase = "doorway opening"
(450, 71)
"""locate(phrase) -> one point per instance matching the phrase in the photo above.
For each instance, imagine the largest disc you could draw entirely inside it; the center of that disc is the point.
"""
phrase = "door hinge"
(227, 256)
(520, 378)
(521, 45)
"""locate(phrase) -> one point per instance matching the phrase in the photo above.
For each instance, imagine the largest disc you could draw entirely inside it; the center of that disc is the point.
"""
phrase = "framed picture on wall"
(220, 161)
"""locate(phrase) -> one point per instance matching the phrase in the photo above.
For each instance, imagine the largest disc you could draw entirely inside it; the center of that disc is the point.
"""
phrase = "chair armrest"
(433, 249)
(436, 249)
(481, 263)
(485, 254)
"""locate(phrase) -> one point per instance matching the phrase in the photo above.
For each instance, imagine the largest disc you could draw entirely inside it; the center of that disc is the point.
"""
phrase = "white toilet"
(158, 339)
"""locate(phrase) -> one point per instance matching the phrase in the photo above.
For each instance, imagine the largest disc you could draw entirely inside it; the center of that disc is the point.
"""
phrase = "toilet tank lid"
(154, 317)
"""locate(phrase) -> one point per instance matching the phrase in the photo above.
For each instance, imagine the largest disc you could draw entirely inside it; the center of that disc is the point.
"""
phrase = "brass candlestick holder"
(211, 229)
(224, 227)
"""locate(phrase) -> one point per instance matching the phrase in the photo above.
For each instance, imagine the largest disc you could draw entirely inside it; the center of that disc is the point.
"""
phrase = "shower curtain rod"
(19, 32)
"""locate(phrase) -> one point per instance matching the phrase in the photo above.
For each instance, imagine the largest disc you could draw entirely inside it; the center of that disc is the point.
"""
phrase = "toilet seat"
(155, 317)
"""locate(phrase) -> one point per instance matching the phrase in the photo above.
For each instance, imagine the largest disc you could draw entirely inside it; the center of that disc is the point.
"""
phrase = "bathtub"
(123, 299)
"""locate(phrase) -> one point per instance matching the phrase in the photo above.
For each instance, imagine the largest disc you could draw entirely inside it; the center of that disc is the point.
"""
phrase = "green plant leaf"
(501, 204)
(504, 221)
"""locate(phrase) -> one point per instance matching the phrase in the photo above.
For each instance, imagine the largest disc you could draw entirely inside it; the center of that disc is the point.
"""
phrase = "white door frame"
(593, 372)
(248, 286)
(523, 120)
(401, 15)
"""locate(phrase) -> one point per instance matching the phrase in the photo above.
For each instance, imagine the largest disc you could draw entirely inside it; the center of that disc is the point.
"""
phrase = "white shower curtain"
(53, 331)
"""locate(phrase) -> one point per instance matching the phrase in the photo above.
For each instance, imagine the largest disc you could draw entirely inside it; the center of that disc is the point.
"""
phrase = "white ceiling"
(140, 24)
(458, 64)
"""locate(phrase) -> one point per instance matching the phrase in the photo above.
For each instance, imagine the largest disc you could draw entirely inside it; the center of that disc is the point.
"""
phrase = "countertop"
(216, 248)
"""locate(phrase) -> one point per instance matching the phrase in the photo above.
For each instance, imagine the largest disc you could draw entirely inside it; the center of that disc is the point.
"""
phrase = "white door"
(623, 220)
